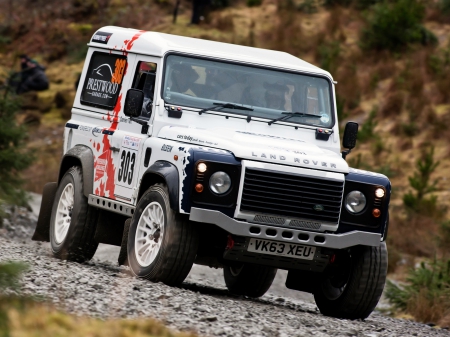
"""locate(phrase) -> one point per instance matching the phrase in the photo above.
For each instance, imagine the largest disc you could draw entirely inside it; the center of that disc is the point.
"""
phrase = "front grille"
(291, 195)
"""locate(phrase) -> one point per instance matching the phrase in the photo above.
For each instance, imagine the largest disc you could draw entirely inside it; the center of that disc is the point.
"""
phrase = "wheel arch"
(79, 155)
(166, 173)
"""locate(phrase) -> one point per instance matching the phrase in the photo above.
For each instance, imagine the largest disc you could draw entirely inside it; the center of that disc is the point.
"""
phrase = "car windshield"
(200, 83)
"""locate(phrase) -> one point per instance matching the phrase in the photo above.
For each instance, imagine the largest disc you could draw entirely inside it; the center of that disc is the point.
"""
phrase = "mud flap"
(302, 280)
(42, 232)
(123, 255)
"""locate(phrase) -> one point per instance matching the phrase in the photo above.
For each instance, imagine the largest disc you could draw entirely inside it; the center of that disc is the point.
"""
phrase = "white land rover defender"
(186, 151)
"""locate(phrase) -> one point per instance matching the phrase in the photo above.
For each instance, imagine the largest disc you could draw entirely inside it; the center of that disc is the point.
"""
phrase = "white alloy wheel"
(64, 213)
(149, 234)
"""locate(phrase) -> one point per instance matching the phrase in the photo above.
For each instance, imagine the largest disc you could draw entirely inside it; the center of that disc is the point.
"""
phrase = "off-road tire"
(79, 244)
(249, 279)
(364, 287)
(178, 250)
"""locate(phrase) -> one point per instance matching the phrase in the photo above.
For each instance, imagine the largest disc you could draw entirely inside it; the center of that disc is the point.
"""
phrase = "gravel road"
(100, 288)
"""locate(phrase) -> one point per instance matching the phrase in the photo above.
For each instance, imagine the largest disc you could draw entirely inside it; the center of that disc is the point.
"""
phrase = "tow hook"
(230, 243)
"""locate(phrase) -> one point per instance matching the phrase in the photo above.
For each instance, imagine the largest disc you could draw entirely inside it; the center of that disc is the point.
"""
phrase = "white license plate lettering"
(281, 249)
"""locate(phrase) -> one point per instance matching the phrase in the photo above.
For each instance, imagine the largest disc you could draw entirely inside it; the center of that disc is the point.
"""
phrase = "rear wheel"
(249, 279)
(162, 244)
(353, 292)
(73, 222)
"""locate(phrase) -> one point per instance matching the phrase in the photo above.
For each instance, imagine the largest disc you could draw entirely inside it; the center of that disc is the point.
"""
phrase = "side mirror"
(133, 103)
(350, 135)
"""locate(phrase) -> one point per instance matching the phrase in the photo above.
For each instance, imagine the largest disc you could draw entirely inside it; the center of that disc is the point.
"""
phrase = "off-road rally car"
(184, 151)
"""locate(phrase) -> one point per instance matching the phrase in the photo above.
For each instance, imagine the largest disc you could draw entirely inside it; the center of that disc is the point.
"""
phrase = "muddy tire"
(355, 294)
(249, 279)
(162, 244)
(73, 222)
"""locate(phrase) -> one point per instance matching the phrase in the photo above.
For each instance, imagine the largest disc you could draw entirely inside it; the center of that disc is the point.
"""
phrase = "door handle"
(114, 149)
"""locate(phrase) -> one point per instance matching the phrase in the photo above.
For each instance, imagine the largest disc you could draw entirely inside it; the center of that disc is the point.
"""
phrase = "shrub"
(387, 170)
(421, 183)
(427, 294)
(13, 155)
(9, 278)
(330, 3)
(392, 26)
(367, 129)
(444, 6)
(308, 6)
(220, 3)
(253, 3)
(328, 55)
(444, 236)
(410, 129)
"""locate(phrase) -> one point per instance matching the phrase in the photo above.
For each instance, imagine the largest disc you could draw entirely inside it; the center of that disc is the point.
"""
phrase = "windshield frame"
(245, 115)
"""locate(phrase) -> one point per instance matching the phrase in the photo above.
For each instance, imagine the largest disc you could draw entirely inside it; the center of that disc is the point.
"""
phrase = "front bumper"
(243, 228)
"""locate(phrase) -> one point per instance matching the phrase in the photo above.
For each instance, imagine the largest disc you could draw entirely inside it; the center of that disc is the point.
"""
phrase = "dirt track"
(100, 288)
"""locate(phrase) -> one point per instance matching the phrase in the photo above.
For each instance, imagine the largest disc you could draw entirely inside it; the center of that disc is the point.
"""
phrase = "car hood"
(259, 147)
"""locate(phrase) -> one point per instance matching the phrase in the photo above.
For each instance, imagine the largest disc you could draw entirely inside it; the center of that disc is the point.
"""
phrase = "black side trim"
(162, 171)
(80, 154)
(72, 126)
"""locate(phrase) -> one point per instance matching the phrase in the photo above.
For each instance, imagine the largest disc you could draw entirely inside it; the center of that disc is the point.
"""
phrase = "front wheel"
(162, 244)
(73, 222)
(249, 279)
(354, 290)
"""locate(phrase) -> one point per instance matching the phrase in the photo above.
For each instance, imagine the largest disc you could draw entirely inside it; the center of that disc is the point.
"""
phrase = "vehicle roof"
(158, 44)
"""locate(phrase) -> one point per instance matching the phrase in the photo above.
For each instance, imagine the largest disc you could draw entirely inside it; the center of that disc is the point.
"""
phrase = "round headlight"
(220, 182)
(355, 202)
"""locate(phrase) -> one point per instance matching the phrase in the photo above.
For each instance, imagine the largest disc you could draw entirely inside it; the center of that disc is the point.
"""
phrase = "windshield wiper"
(292, 114)
(220, 106)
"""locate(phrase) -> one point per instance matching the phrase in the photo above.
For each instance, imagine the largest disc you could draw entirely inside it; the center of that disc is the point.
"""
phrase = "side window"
(103, 80)
(144, 80)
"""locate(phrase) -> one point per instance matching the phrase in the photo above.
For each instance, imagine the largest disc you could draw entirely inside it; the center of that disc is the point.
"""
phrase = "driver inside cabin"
(182, 78)
(145, 81)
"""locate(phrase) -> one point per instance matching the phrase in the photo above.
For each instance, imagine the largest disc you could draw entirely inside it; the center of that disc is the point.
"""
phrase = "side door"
(131, 137)
(105, 83)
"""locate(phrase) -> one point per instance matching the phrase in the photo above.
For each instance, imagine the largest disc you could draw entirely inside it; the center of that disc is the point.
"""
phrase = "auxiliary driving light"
(201, 167)
(379, 193)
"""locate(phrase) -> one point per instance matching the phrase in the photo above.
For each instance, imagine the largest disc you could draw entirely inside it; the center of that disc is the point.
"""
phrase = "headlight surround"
(220, 182)
(355, 202)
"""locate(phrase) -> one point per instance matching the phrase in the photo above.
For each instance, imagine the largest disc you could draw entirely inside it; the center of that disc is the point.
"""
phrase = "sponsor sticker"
(103, 80)
(101, 37)
(166, 148)
(131, 142)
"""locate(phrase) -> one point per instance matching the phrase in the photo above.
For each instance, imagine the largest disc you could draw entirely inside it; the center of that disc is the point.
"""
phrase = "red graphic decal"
(129, 43)
(98, 146)
(110, 169)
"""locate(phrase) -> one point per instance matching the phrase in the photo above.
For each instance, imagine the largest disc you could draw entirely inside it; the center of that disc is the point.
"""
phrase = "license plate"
(281, 249)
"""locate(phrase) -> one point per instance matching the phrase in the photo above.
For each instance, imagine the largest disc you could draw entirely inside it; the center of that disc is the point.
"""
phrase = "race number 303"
(126, 167)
